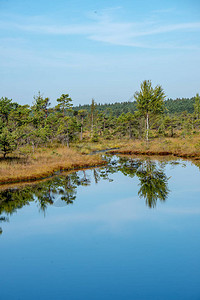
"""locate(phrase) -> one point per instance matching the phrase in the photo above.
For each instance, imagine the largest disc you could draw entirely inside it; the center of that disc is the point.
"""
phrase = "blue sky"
(98, 49)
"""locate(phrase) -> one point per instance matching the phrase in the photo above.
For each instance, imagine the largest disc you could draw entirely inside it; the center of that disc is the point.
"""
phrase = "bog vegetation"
(42, 125)
(150, 116)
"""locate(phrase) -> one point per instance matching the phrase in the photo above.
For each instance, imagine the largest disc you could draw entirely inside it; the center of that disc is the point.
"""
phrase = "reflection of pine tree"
(129, 166)
(11, 200)
(67, 190)
(153, 183)
(63, 189)
(153, 180)
(43, 194)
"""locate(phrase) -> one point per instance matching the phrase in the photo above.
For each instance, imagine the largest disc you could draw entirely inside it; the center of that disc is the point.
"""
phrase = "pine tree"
(92, 110)
(7, 141)
(197, 107)
(64, 104)
(82, 114)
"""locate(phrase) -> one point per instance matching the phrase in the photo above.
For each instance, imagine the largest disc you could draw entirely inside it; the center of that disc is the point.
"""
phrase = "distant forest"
(178, 105)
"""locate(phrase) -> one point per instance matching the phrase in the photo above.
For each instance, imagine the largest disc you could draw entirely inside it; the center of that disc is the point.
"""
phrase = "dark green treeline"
(178, 105)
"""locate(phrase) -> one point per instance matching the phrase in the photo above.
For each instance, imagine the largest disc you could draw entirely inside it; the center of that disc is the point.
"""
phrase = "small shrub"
(95, 138)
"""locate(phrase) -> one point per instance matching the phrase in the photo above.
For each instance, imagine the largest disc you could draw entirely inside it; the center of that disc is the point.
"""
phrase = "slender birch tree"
(149, 102)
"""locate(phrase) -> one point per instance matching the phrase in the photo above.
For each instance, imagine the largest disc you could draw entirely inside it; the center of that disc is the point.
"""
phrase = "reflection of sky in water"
(108, 244)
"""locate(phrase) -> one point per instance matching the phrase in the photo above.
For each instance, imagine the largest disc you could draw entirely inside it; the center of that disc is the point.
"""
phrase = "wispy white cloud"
(103, 28)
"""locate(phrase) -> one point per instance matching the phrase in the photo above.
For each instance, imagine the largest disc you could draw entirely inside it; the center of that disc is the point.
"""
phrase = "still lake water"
(128, 231)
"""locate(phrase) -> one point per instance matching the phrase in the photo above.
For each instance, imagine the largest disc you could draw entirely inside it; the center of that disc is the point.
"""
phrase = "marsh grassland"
(188, 147)
(44, 162)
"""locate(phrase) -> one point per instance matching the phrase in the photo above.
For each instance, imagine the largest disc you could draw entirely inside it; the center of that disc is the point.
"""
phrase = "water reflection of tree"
(153, 183)
(58, 191)
(62, 190)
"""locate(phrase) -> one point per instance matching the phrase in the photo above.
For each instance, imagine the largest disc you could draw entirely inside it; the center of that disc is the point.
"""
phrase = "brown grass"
(44, 163)
(87, 147)
(181, 147)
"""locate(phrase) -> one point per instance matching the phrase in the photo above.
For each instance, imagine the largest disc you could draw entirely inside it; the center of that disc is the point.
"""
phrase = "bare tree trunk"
(67, 138)
(82, 129)
(172, 131)
(67, 135)
(92, 120)
(147, 125)
(33, 147)
(81, 132)
(130, 133)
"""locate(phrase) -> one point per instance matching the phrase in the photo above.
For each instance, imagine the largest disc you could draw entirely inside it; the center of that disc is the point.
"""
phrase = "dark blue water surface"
(129, 231)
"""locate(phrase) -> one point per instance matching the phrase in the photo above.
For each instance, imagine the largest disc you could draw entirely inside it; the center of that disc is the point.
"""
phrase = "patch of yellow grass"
(182, 147)
(44, 163)
(86, 147)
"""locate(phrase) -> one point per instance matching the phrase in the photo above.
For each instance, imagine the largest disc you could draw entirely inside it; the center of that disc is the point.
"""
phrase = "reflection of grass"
(44, 163)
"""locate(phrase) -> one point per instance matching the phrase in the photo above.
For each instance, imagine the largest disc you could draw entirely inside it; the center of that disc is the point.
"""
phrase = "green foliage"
(6, 106)
(107, 135)
(111, 108)
(92, 114)
(171, 106)
(179, 105)
(197, 106)
(67, 130)
(20, 116)
(7, 141)
(95, 137)
(64, 104)
(40, 103)
(149, 101)
(82, 114)
(41, 124)
(40, 109)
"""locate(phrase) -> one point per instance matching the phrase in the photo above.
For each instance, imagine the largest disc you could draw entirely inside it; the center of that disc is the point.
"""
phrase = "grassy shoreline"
(183, 148)
(47, 161)
(156, 153)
